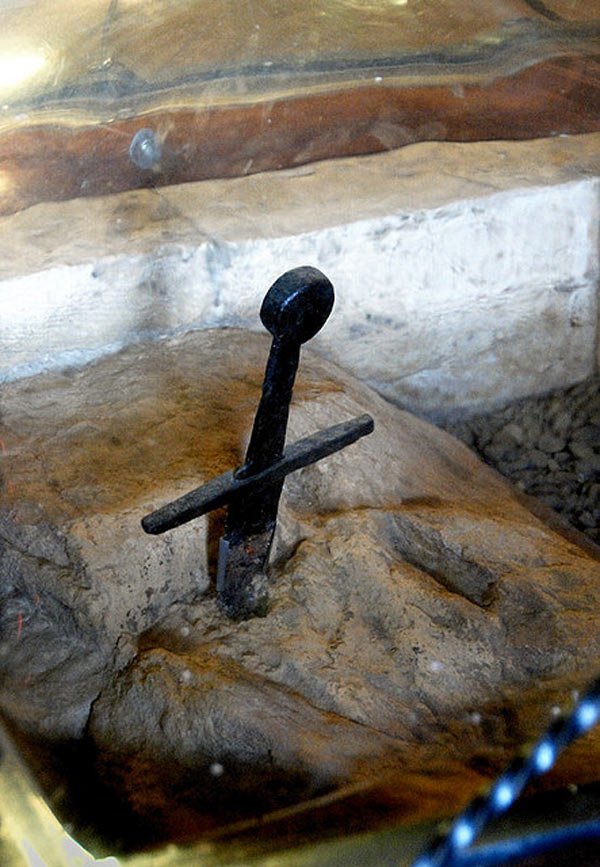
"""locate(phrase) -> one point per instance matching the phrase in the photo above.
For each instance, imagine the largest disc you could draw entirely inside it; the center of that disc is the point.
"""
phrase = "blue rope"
(451, 847)
(530, 845)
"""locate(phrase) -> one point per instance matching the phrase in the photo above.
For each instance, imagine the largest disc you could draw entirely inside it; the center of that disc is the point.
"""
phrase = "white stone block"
(466, 275)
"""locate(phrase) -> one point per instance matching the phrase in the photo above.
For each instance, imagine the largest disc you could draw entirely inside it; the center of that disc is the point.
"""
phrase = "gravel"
(549, 447)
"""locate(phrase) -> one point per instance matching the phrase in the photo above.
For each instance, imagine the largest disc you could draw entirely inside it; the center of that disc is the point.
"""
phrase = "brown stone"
(422, 619)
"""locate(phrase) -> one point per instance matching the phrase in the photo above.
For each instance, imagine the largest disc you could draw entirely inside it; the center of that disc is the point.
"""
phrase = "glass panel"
(222, 89)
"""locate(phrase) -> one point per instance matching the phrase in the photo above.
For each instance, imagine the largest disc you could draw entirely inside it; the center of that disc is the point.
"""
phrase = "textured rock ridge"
(420, 614)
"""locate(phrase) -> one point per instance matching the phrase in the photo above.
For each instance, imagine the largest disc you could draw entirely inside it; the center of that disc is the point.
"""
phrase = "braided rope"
(448, 847)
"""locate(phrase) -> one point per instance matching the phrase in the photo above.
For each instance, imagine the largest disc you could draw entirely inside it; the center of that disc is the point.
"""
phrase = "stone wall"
(466, 274)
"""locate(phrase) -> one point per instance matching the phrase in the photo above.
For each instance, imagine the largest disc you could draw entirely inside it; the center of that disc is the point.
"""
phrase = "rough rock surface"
(419, 615)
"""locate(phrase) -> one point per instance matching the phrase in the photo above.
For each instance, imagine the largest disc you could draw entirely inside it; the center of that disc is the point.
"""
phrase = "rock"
(562, 457)
(513, 432)
(410, 589)
(276, 748)
(500, 450)
(54, 658)
(593, 492)
(589, 433)
(581, 450)
(588, 469)
(550, 443)
(533, 428)
(587, 519)
(560, 419)
(409, 223)
(538, 459)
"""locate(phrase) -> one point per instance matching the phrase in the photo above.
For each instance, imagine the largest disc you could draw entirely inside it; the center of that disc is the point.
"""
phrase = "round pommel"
(297, 305)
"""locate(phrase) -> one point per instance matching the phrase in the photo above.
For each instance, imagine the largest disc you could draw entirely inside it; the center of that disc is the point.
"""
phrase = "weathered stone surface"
(469, 271)
(418, 610)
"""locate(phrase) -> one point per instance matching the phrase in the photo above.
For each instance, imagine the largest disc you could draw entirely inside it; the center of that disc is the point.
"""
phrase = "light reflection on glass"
(18, 69)
(5, 183)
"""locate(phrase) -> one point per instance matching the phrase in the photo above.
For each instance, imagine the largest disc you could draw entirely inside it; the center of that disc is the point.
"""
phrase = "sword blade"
(242, 582)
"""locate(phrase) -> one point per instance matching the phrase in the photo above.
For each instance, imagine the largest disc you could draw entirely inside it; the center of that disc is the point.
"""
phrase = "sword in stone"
(294, 309)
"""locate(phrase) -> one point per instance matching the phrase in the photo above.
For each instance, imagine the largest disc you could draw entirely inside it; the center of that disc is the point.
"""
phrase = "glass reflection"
(119, 46)
(302, 80)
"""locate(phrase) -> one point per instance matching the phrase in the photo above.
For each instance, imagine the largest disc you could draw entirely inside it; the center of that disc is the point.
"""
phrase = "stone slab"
(466, 274)
(420, 614)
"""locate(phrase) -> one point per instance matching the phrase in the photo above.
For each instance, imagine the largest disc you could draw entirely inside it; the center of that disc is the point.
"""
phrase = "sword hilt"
(294, 309)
